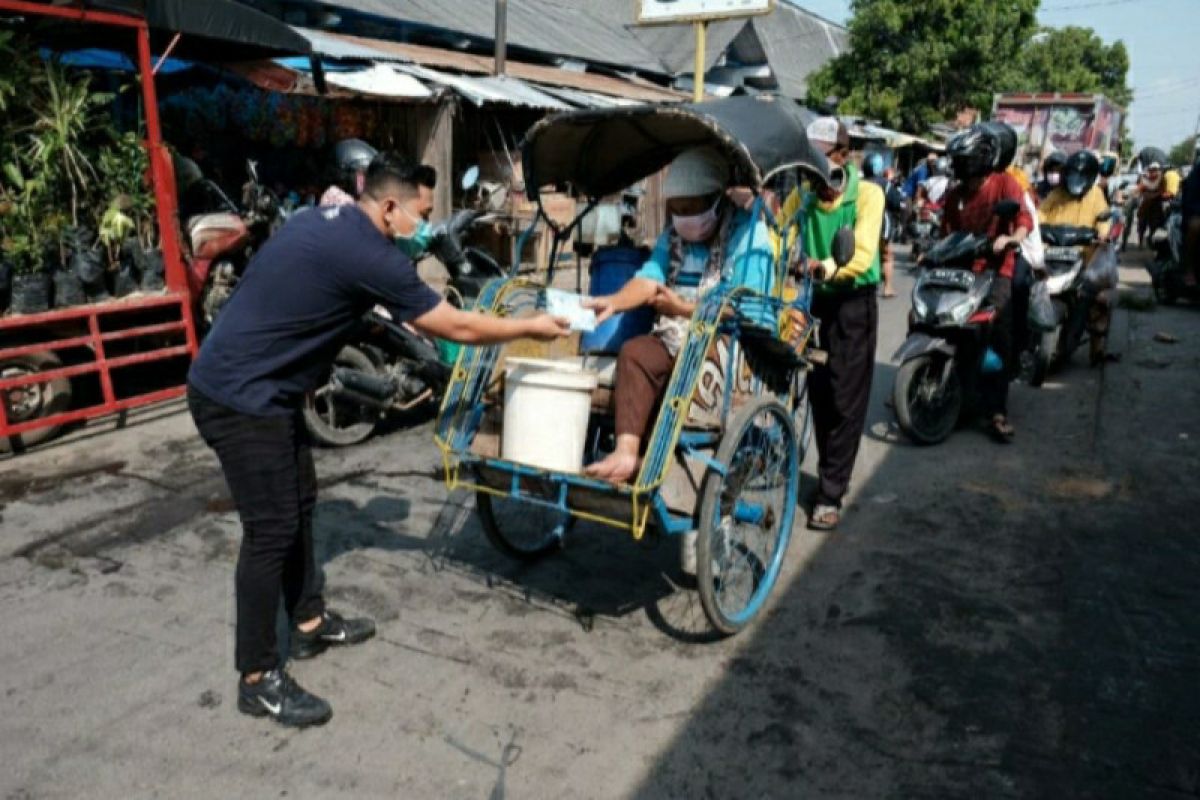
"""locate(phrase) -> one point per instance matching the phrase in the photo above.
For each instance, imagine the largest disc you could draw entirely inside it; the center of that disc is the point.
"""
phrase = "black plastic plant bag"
(153, 269)
(68, 289)
(30, 293)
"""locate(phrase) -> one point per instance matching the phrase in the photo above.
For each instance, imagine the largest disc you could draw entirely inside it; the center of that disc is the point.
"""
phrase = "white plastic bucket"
(546, 410)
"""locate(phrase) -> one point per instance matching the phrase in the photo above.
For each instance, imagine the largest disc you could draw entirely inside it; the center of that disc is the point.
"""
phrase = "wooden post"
(435, 147)
(698, 72)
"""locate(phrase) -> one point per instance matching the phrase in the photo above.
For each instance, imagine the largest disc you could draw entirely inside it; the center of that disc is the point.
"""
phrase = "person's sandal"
(824, 518)
(1001, 430)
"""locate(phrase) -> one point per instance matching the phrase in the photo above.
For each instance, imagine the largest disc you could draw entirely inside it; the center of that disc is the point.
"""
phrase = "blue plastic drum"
(612, 268)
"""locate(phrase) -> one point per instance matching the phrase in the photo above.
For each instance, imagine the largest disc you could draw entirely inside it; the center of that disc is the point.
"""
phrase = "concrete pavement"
(990, 621)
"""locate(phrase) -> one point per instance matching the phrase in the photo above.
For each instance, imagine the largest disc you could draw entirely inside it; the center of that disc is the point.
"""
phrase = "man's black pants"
(268, 465)
(841, 389)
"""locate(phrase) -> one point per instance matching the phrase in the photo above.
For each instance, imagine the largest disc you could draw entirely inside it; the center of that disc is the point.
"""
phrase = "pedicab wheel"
(520, 530)
(746, 514)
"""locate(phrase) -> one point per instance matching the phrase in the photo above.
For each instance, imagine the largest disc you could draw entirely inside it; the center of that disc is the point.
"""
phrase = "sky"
(1163, 40)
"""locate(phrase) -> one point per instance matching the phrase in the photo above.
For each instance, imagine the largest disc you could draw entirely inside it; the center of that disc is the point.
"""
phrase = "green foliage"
(1074, 59)
(66, 118)
(1184, 152)
(911, 64)
(123, 167)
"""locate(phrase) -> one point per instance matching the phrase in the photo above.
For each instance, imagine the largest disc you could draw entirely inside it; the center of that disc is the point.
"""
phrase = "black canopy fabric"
(603, 151)
(210, 31)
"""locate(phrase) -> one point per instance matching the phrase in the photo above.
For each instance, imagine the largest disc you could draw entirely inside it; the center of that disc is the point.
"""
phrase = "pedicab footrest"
(578, 495)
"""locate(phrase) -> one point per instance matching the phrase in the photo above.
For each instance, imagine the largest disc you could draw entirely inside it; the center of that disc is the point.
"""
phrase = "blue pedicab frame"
(755, 451)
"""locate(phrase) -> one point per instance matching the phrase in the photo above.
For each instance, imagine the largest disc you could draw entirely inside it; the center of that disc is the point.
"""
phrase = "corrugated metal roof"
(797, 44)
(491, 89)
(381, 80)
(332, 46)
(628, 88)
(556, 27)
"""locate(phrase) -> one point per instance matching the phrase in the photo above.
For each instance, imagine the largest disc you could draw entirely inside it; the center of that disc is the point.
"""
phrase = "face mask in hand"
(698, 227)
(416, 243)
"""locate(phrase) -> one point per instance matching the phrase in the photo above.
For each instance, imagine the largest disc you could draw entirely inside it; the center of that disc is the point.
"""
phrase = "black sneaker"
(277, 695)
(333, 630)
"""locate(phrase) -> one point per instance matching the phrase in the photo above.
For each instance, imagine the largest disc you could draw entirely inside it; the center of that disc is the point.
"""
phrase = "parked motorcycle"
(946, 351)
(1056, 334)
(1167, 270)
(392, 368)
(222, 237)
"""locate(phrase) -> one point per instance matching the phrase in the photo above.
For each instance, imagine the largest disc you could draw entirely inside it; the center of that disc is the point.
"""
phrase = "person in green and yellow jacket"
(845, 304)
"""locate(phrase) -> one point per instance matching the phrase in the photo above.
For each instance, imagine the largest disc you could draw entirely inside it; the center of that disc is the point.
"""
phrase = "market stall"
(107, 355)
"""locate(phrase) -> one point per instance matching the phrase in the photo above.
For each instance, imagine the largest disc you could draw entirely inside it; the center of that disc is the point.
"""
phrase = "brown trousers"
(643, 369)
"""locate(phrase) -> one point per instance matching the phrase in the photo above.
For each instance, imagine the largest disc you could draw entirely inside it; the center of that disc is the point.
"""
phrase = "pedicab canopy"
(602, 151)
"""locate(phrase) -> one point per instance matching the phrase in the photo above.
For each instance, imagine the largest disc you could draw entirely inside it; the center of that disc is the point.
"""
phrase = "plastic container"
(546, 410)
(612, 268)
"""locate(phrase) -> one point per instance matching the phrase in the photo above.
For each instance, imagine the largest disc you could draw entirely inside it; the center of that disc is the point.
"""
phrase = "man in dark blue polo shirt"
(276, 338)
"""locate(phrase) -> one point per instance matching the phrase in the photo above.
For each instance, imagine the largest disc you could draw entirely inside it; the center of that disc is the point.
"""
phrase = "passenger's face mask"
(414, 244)
(1053, 178)
(697, 227)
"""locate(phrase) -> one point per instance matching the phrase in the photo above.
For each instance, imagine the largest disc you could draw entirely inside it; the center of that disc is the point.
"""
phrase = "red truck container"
(1051, 121)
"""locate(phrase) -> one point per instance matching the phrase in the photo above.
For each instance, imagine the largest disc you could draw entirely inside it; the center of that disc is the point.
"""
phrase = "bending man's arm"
(447, 322)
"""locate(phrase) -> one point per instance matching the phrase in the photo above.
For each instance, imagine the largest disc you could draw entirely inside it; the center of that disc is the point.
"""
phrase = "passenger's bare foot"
(617, 468)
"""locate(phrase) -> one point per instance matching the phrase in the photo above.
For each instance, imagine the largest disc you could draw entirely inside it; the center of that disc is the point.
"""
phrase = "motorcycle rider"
(1154, 190)
(873, 170)
(1052, 168)
(351, 159)
(933, 189)
(971, 207)
(1031, 258)
(1078, 202)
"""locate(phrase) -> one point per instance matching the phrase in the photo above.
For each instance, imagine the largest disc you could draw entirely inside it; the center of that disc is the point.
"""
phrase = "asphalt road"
(990, 622)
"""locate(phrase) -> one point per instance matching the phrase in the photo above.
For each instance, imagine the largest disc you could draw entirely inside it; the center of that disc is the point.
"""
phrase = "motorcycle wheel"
(925, 414)
(1043, 356)
(340, 423)
(34, 400)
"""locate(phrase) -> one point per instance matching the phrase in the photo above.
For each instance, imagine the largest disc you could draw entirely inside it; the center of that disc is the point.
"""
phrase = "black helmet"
(1007, 137)
(941, 166)
(973, 152)
(351, 158)
(1108, 166)
(1056, 160)
(1080, 173)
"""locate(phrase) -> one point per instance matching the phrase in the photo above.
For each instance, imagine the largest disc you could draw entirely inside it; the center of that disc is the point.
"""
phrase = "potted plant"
(127, 227)
(25, 240)
(64, 121)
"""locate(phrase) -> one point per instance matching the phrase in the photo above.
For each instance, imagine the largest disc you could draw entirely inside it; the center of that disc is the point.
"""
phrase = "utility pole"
(501, 34)
(698, 68)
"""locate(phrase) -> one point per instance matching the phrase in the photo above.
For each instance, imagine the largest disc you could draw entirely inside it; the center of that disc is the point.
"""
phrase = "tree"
(1073, 59)
(1184, 152)
(911, 64)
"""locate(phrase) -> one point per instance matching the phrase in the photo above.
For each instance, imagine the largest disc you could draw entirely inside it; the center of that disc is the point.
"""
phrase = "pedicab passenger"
(710, 238)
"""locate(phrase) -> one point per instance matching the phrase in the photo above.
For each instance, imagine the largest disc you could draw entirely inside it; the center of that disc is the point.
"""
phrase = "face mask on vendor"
(1053, 178)
(697, 227)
